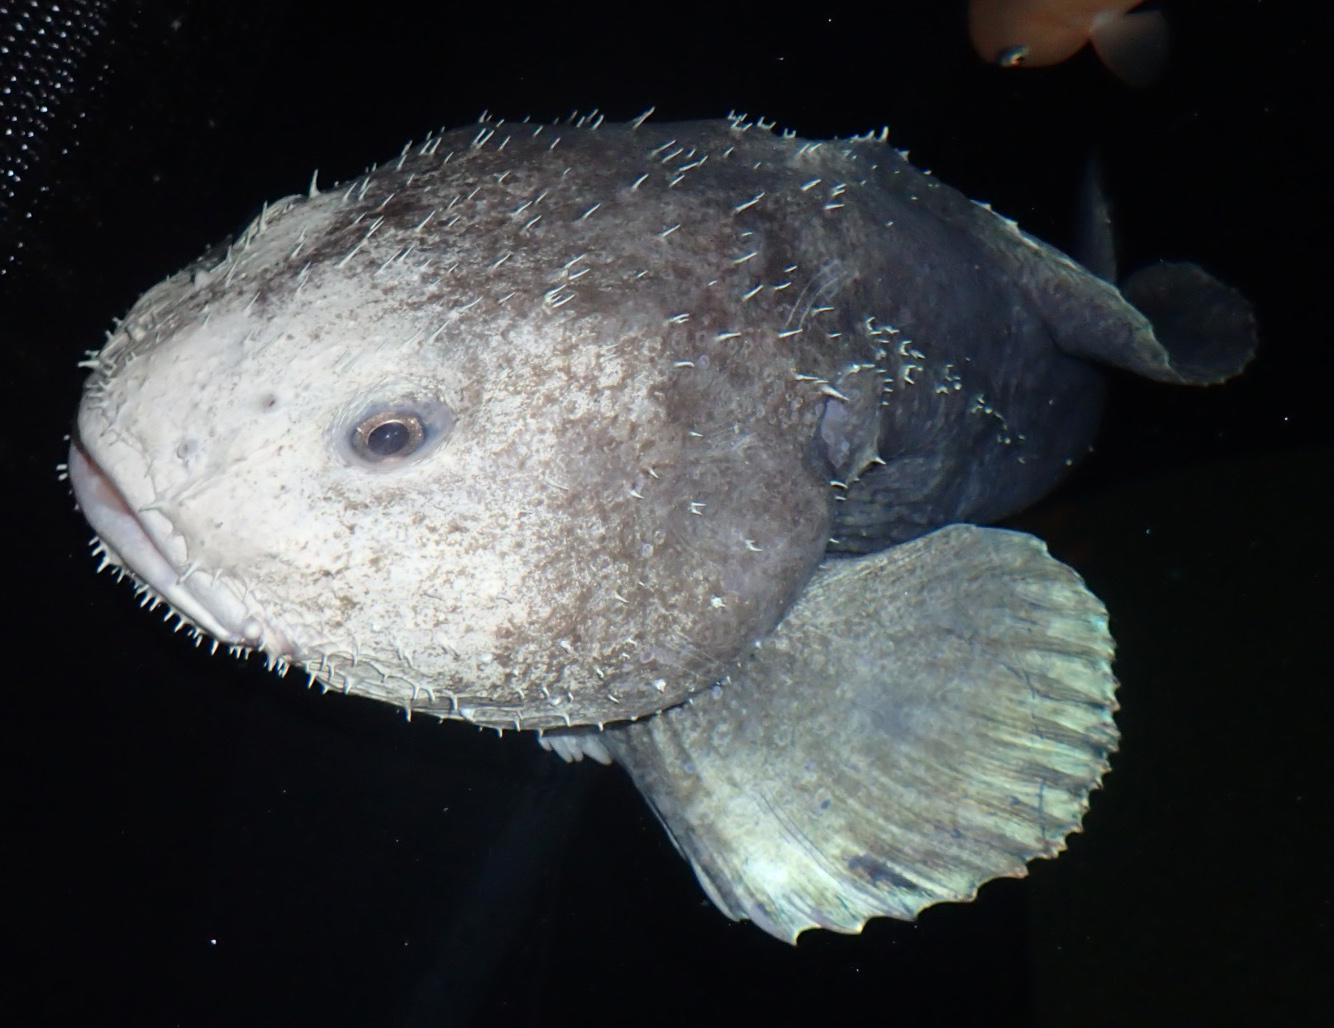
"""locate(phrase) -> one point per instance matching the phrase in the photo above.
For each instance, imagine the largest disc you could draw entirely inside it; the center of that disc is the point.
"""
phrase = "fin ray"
(924, 720)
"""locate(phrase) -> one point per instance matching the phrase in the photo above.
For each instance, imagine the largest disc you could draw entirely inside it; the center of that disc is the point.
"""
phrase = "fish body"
(552, 427)
(1040, 33)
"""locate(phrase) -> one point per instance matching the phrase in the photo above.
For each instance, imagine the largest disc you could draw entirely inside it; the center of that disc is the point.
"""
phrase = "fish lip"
(212, 606)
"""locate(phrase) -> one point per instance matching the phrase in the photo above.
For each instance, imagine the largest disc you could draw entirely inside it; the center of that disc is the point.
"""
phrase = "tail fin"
(1205, 329)
(1171, 321)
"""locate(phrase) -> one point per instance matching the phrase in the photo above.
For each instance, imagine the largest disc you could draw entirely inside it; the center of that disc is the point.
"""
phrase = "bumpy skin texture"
(657, 367)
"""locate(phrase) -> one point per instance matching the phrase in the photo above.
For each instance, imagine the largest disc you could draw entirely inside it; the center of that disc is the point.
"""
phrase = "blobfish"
(671, 443)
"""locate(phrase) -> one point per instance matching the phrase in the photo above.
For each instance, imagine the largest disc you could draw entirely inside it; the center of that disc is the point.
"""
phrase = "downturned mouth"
(203, 599)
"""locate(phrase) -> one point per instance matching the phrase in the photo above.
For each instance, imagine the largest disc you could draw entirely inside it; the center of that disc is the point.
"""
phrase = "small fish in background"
(1038, 33)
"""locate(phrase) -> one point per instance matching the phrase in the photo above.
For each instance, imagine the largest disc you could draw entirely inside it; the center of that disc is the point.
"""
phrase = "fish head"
(527, 474)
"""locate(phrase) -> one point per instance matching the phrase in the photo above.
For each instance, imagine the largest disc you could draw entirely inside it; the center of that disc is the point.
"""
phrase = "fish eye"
(1012, 56)
(388, 435)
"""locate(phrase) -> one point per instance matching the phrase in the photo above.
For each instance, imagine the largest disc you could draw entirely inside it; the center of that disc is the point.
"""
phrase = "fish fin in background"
(1095, 238)
(1133, 45)
(925, 719)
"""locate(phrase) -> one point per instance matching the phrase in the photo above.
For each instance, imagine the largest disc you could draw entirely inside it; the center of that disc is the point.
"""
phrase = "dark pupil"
(387, 439)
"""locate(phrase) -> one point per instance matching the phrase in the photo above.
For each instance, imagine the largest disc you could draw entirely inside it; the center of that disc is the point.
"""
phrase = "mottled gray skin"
(662, 368)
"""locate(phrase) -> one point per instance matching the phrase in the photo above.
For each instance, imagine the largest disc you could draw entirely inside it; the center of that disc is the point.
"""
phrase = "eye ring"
(388, 436)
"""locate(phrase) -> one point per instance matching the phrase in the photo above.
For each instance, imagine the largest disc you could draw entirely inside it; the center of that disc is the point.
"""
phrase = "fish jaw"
(131, 542)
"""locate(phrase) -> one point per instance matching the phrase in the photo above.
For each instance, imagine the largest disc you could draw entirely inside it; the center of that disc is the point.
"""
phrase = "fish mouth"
(201, 599)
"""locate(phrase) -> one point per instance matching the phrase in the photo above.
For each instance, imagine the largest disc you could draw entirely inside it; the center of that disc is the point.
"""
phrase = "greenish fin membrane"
(925, 719)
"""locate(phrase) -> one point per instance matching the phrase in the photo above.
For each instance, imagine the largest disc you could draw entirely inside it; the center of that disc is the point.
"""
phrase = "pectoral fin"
(924, 719)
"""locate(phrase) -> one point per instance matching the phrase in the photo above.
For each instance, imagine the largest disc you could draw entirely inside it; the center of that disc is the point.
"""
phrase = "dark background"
(189, 840)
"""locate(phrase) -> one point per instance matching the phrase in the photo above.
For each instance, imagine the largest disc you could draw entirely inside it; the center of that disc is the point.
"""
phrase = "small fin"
(1095, 241)
(1133, 45)
(924, 720)
(1205, 328)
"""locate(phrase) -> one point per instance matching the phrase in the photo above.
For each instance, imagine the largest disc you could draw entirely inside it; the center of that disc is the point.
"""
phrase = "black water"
(190, 841)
